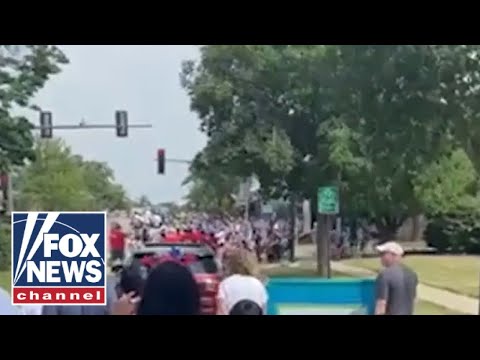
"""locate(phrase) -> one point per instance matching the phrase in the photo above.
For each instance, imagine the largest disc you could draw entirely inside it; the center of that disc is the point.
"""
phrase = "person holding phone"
(169, 289)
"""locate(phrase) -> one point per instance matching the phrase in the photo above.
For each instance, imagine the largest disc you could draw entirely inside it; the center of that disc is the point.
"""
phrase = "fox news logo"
(58, 258)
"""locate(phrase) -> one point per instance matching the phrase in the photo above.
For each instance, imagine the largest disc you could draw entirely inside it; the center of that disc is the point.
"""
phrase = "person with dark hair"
(170, 289)
(132, 281)
(246, 307)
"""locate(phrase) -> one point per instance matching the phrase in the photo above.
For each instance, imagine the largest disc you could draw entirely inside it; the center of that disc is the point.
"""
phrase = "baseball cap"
(390, 247)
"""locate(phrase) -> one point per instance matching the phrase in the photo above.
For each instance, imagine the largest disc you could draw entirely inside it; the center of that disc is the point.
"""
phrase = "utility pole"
(328, 207)
(324, 226)
(46, 128)
(121, 125)
(161, 160)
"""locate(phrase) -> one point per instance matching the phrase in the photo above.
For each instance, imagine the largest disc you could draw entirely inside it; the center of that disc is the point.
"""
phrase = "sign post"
(328, 205)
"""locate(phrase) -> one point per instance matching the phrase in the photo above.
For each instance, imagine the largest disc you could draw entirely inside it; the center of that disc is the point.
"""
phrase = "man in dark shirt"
(396, 284)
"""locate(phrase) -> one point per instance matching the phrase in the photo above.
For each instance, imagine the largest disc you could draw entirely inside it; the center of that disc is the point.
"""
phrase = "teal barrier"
(307, 296)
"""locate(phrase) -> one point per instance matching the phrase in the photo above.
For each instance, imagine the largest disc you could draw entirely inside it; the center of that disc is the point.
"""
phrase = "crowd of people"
(266, 238)
(170, 288)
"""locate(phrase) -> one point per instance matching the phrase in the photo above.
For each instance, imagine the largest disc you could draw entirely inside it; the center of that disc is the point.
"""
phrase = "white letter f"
(49, 245)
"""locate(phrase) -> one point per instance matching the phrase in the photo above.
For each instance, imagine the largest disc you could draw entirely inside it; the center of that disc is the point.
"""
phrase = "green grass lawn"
(421, 308)
(459, 274)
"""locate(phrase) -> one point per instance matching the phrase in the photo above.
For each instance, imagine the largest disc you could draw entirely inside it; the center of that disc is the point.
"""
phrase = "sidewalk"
(445, 298)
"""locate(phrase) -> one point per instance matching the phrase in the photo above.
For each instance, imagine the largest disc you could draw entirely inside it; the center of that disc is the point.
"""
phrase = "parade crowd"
(166, 284)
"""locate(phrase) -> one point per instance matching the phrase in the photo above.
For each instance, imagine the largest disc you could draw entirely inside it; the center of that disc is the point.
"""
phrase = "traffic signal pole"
(179, 161)
(93, 126)
(121, 125)
(46, 131)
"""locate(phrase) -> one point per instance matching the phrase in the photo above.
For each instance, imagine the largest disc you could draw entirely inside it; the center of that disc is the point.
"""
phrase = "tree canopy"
(24, 69)
(373, 119)
(60, 180)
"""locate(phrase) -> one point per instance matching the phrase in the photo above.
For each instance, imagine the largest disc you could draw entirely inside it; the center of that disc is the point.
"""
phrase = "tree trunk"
(387, 227)
(307, 217)
(417, 228)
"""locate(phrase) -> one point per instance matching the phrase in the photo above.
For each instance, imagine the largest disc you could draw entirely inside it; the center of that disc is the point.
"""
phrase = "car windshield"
(205, 265)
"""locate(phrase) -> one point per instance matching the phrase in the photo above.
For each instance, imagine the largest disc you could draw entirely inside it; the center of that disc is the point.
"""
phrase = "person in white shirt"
(156, 221)
(241, 282)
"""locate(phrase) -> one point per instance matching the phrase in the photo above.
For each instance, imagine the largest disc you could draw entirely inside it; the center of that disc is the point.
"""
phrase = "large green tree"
(371, 118)
(24, 69)
(53, 181)
(100, 180)
(210, 188)
(271, 110)
(449, 185)
(410, 105)
(255, 104)
(59, 180)
(375, 119)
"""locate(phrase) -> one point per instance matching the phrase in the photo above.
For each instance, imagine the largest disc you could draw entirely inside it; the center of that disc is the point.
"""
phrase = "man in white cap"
(396, 285)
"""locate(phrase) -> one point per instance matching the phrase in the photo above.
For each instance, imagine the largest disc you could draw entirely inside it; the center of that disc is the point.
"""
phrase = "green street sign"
(328, 200)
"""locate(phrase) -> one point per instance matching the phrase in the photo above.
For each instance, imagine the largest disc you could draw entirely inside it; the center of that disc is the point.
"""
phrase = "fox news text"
(58, 258)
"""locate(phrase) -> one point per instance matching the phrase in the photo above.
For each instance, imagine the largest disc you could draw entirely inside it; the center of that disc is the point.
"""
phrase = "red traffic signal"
(161, 161)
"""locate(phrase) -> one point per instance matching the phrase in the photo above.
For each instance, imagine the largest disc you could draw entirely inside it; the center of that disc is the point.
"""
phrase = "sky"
(144, 80)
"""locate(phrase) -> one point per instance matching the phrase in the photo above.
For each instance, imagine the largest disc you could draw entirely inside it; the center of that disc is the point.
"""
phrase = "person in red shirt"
(117, 242)
(197, 236)
(173, 237)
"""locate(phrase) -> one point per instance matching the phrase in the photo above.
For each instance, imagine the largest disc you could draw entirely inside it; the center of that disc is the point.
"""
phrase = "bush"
(5, 247)
(457, 233)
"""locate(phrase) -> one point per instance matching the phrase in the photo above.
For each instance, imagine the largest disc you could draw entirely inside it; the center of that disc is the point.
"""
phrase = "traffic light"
(46, 129)
(161, 161)
(121, 122)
